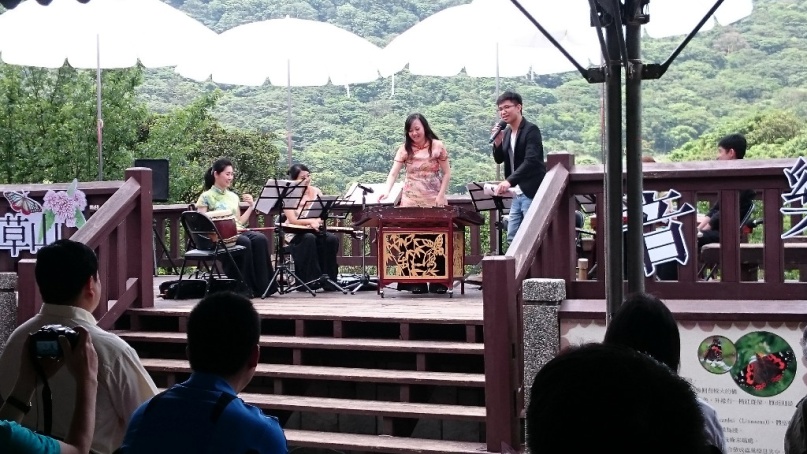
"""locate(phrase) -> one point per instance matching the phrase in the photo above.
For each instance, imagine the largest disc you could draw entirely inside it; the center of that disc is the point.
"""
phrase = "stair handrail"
(501, 299)
(120, 233)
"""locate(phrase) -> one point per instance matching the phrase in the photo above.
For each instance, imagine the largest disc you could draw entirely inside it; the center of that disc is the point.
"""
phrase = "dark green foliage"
(747, 77)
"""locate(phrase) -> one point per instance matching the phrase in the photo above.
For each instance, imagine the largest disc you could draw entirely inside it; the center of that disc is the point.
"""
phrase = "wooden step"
(364, 407)
(327, 343)
(336, 373)
(339, 307)
(379, 443)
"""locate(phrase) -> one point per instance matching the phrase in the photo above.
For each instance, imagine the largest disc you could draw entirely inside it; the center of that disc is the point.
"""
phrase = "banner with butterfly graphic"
(31, 225)
(752, 373)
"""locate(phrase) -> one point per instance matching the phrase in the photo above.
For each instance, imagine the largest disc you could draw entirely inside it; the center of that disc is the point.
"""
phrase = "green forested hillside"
(747, 77)
(728, 77)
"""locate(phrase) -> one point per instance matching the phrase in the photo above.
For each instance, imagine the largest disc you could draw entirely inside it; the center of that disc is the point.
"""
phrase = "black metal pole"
(613, 172)
(633, 152)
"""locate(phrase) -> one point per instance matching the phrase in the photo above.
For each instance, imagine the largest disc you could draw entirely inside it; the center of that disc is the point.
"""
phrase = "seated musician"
(427, 175)
(313, 248)
(254, 263)
(730, 147)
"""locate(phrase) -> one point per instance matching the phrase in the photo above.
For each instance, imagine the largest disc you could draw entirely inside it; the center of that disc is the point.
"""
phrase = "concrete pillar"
(542, 298)
(8, 306)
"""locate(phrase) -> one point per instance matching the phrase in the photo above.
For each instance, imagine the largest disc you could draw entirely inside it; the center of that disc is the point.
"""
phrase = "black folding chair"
(204, 246)
(747, 226)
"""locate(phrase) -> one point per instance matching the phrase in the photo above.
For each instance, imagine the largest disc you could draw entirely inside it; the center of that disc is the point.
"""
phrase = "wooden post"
(138, 246)
(499, 296)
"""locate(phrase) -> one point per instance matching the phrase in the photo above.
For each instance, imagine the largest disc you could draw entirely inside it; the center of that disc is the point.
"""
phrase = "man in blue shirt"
(203, 414)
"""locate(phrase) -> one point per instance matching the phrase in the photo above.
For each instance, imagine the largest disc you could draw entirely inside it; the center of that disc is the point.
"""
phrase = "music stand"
(484, 198)
(280, 194)
(364, 278)
(320, 208)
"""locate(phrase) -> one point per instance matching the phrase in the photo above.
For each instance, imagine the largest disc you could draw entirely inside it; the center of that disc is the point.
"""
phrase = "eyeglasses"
(506, 107)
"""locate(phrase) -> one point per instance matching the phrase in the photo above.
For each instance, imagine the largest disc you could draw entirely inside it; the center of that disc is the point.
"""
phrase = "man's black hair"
(223, 328)
(734, 142)
(63, 269)
(608, 398)
(512, 96)
(645, 324)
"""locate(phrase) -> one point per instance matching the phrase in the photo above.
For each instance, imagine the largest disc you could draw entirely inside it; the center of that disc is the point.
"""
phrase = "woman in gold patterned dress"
(427, 175)
(427, 170)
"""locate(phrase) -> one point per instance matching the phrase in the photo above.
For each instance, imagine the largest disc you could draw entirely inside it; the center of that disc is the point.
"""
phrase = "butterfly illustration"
(715, 352)
(765, 369)
(21, 203)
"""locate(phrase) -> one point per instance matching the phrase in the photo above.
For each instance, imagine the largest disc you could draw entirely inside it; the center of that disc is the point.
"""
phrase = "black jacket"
(528, 156)
(746, 203)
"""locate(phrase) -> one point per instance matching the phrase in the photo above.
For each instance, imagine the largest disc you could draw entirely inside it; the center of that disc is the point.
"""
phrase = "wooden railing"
(501, 295)
(166, 218)
(545, 247)
(120, 233)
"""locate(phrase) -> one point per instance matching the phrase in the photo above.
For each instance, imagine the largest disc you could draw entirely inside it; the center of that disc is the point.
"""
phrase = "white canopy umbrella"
(487, 38)
(490, 38)
(288, 52)
(99, 34)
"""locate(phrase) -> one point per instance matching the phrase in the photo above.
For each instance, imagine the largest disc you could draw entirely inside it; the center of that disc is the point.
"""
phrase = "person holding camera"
(203, 414)
(82, 363)
(67, 276)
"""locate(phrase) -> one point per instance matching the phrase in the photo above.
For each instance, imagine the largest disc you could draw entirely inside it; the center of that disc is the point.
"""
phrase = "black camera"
(45, 342)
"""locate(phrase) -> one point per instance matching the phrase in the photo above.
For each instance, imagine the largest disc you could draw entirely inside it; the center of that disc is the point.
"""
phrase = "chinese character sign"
(667, 243)
(797, 180)
(31, 225)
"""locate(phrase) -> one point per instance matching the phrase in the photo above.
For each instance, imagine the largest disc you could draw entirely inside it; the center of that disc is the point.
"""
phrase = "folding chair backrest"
(200, 229)
(746, 226)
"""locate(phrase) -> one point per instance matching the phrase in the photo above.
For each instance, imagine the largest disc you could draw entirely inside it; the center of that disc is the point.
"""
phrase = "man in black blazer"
(520, 148)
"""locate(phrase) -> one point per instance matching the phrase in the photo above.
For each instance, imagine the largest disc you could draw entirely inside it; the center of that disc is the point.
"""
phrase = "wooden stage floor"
(365, 305)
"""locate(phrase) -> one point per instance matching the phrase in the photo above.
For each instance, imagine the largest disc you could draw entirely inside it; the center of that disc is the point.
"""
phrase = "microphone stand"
(364, 279)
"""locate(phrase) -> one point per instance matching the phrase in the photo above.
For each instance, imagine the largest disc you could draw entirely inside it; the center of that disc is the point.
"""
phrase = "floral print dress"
(423, 176)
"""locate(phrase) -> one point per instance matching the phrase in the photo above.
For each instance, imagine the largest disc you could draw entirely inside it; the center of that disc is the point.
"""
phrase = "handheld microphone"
(365, 189)
(499, 127)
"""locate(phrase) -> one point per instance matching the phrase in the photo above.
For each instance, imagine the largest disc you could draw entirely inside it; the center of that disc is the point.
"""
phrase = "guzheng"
(419, 245)
(297, 228)
(417, 216)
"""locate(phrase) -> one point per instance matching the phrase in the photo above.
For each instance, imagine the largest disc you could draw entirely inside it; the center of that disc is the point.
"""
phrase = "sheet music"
(489, 188)
(270, 194)
(354, 194)
(484, 197)
(313, 208)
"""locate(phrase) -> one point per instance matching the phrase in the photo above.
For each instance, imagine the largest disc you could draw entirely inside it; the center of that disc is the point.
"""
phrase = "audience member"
(203, 414)
(82, 362)
(645, 324)
(608, 398)
(67, 277)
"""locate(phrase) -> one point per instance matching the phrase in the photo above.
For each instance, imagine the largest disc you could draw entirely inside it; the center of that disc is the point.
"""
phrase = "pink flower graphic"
(64, 206)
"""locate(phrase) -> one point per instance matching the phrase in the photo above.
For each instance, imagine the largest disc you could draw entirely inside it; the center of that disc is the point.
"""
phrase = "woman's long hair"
(217, 167)
(427, 131)
(296, 169)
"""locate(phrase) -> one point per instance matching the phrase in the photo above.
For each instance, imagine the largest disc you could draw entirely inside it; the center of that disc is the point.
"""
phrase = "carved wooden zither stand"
(420, 245)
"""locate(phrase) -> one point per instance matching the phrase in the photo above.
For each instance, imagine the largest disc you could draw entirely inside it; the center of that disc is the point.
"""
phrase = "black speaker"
(159, 177)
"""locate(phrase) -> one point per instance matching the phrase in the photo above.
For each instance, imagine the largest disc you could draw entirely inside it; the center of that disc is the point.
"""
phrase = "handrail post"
(500, 300)
(28, 298)
(140, 238)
